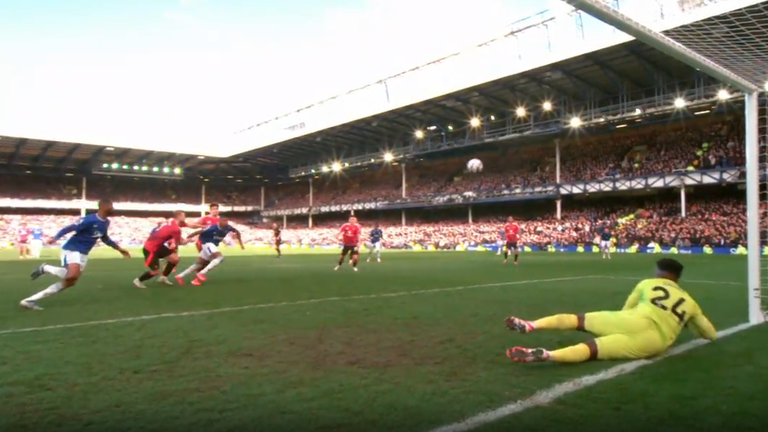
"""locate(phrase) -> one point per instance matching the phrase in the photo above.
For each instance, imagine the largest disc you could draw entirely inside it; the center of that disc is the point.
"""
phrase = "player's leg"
(73, 265)
(506, 251)
(517, 252)
(202, 260)
(152, 262)
(344, 251)
(608, 249)
(354, 257)
(598, 323)
(370, 247)
(611, 347)
(377, 246)
(277, 248)
(171, 261)
(216, 258)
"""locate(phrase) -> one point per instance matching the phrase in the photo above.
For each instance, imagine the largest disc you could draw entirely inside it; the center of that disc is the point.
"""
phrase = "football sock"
(516, 255)
(193, 268)
(341, 260)
(378, 254)
(216, 261)
(557, 322)
(56, 271)
(146, 276)
(572, 354)
(51, 290)
(168, 269)
(506, 255)
(354, 262)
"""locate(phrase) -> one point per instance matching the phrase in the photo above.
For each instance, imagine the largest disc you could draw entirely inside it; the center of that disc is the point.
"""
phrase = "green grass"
(359, 358)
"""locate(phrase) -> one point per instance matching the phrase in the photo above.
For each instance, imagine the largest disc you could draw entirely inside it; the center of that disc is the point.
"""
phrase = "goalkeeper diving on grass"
(650, 322)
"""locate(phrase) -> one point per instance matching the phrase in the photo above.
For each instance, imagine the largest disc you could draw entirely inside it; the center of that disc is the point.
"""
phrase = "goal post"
(731, 52)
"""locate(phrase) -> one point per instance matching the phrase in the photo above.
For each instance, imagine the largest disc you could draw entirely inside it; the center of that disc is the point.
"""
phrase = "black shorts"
(278, 242)
(152, 259)
(511, 245)
(352, 250)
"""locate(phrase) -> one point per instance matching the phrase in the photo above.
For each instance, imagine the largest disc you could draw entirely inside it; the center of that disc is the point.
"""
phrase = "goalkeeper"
(651, 320)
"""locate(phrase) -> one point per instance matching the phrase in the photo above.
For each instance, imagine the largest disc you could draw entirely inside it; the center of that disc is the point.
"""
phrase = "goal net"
(732, 47)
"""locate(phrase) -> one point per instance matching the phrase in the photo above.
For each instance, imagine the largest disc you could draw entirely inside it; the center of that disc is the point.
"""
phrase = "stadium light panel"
(419, 134)
(474, 122)
(115, 165)
(106, 165)
(388, 157)
(723, 94)
(638, 111)
(431, 128)
(166, 170)
(450, 127)
(679, 103)
(493, 117)
(125, 167)
(521, 112)
(145, 168)
(336, 166)
(110, 149)
(547, 106)
(177, 170)
(325, 168)
(575, 122)
(135, 167)
(155, 169)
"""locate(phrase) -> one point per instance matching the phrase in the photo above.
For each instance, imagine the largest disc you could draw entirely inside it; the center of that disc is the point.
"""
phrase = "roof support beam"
(583, 84)
(43, 154)
(651, 65)
(552, 87)
(67, 158)
(618, 78)
(16, 152)
(91, 161)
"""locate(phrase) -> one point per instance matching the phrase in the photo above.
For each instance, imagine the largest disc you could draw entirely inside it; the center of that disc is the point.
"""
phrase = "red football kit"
(158, 238)
(206, 221)
(23, 236)
(350, 235)
(512, 231)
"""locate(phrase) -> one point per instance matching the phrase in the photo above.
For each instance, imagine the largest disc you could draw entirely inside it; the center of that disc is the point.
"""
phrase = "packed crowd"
(701, 144)
(718, 222)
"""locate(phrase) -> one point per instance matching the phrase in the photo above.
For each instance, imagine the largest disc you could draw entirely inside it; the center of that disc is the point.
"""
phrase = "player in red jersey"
(512, 232)
(204, 222)
(350, 241)
(155, 249)
(23, 241)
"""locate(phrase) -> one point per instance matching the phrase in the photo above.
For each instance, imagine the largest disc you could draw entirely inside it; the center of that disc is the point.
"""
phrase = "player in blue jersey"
(500, 243)
(74, 253)
(210, 256)
(36, 244)
(606, 242)
(375, 238)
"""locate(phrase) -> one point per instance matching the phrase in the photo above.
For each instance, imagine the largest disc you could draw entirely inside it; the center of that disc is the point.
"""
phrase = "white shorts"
(206, 253)
(36, 244)
(71, 257)
(605, 244)
(375, 246)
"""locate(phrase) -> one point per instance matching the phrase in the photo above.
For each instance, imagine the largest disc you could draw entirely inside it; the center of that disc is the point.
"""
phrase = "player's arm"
(195, 233)
(111, 243)
(634, 298)
(238, 236)
(64, 231)
(178, 240)
(703, 328)
(195, 225)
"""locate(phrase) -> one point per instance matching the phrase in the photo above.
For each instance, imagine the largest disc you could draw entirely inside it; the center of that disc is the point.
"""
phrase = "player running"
(210, 256)
(74, 253)
(512, 233)
(605, 242)
(376, 236)
(350, 241)
(212, 218)
(500, 243)
(277, 237)
(651, 320)
(36, 244)
(23, 241)
(156, 249)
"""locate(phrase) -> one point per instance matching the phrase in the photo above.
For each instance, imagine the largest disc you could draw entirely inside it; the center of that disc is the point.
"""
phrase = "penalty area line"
(291, 303)
(547, 396)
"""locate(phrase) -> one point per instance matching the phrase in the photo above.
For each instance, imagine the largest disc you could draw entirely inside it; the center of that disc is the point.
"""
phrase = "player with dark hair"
(512, 233)
(156, 249)
(376, 236)
(210, 256)
(277, 236)
(74, 252)
(650, 322)
(606, 242)
(212, 218)
(350, 242)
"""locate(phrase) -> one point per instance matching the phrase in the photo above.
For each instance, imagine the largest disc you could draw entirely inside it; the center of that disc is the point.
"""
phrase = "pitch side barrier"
(694, 250)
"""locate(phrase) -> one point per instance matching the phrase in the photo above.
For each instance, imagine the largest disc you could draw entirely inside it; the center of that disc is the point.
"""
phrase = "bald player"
(650, 322)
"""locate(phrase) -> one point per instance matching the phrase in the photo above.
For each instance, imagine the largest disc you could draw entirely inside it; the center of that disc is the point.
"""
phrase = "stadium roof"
(630, 68)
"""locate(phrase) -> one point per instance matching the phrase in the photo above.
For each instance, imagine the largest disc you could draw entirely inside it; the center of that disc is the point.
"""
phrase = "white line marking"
(682, 281)
(547, 396)
(293, 303)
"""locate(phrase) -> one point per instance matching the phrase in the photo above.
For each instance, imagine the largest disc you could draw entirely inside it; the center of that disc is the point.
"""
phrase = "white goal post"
(733, 53)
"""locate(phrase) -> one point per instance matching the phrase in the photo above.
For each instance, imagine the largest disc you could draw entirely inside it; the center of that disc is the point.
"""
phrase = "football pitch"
(414, 343)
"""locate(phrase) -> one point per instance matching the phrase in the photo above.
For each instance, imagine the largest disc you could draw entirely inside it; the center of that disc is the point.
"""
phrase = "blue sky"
(182, 73)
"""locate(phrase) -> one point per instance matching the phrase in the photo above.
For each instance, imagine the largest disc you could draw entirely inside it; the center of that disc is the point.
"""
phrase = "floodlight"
(575, 122)
(155, 169)
(336, 166)
(177, 170)
(106, 165)
(145, 168)
(166, 170)
(547, 106)
(450, 127)
(492, 118)
(723, 94)
(638, 111)
(521, 112)
(679, 103)
(115, 165)
(474, 122)
(388, 157)
(419, 134)
(325, 168)
(135, 167)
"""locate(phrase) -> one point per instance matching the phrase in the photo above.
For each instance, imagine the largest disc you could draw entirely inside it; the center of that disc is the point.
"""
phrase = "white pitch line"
(293, 303)
(547, 396)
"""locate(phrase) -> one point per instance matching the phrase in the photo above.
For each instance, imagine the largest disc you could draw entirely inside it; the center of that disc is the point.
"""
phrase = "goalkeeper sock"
(557, 322)
(572, 354)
